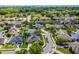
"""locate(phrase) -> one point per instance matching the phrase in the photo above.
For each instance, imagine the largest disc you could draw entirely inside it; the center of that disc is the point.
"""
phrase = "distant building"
(48, 25)
(31, 31)
(18, 25)
(74, 47)
(49, 18)
(58, 26)
(75, 36)
(39, 26)
(11, 24)
(57, 19)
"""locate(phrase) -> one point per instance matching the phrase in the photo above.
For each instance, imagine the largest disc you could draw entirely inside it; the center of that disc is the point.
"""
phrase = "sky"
(39, 2)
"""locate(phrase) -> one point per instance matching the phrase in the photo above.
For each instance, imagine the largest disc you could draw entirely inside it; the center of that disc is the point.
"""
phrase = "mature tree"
(6, 27)
(35, 48)
(25, 35)
(62, 41)
(22, 51)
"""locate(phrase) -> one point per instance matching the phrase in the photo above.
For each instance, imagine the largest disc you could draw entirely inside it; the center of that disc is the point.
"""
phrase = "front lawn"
(44, 42)
(64, 50)
(6, 46)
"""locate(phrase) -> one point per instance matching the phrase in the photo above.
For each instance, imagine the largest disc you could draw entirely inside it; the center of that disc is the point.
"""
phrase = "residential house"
(14, 31)
(3, 38)
(63, 34)
(48, 25)
(31, 31)
(33, 38)
(71, 21)
(17, 40)
(74, 46)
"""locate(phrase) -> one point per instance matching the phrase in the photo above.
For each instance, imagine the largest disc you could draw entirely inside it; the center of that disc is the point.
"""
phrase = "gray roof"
(75, 36)
(77, 25)
(2, 36)
(17, 40)
(58, 25)
(31, 30)
(33, 38)
(38, 26)
(14, 28)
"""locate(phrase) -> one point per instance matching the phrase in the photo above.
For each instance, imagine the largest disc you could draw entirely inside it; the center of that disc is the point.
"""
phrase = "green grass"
(43, 38)
(1, 28)
(6, 46)
(24, 45)
(64, 50)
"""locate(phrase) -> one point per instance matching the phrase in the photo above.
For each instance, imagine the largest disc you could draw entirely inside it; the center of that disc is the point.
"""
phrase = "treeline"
(44, 11)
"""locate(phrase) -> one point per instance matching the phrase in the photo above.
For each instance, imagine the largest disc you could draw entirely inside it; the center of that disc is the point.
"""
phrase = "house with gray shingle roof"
(77, 26)
(33, 38)
(31, 31)
(75, 35)
(3, 38)
(74, 46)
(70, 20)
(39, 26)
(17, 40)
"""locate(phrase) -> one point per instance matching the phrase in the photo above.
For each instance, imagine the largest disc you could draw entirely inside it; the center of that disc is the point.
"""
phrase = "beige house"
(48, 25)
(2, 23)
(14, 31)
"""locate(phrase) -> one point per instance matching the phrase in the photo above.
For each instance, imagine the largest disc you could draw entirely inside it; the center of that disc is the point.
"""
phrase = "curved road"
(51, 44)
